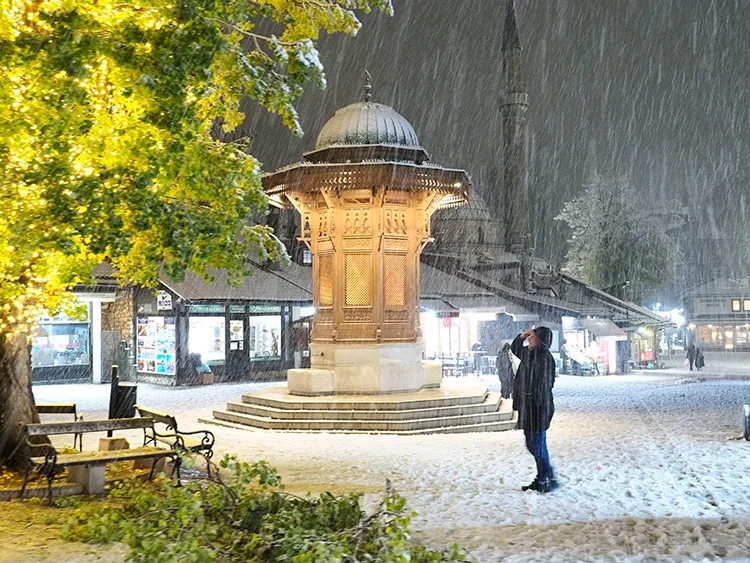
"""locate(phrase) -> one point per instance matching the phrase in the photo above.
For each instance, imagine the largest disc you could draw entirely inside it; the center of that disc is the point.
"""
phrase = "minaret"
(515, 172)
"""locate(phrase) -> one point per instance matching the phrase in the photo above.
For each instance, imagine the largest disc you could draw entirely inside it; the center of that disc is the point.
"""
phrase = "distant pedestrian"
(691, 355)
(532, 398)
(504, 367)
(699, 360)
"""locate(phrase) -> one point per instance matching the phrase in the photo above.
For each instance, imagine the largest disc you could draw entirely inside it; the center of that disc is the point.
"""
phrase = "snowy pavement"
(735, 365)
(648, 463)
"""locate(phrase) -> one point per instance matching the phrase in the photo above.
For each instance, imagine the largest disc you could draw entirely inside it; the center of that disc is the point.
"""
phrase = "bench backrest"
(158, 416)
(81, 427)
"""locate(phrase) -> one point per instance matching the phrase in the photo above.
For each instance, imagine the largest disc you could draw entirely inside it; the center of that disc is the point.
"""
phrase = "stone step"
(481, 427)
(279, 398)
(401, 426)
(490, 404)
(499, 426)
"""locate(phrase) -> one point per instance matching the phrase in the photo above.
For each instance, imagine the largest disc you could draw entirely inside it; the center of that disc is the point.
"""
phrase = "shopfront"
(237, 341)
(644, 345)
(591, 346)
(61, 348)
(468, 331)
(721, 336)
(718, 314)
(69, 348)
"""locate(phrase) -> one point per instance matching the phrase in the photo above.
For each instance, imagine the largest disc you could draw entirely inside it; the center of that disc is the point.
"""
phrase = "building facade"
(718, 315)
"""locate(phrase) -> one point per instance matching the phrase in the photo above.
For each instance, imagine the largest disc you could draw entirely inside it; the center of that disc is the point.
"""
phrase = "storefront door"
(236, 351)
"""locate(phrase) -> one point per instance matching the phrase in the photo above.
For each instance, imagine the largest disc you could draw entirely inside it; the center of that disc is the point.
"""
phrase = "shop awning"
(434, 305)
(603, 329)
(490, 304)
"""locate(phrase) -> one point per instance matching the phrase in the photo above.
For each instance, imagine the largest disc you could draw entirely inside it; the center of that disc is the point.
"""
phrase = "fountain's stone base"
(364, 369)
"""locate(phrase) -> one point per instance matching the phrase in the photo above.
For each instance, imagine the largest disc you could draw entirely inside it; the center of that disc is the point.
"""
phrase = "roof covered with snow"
(292, 284)
(367, 123)
(723, 286)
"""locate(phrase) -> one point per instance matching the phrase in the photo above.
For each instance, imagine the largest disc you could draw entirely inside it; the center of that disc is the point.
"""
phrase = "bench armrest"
(50, 454)
(175, 441)
(206, 438)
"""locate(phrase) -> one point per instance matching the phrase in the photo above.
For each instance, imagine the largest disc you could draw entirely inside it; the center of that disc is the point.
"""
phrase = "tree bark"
(16, 399)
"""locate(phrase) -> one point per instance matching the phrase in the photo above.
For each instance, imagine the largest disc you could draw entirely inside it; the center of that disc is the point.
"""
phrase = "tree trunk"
(16, 399)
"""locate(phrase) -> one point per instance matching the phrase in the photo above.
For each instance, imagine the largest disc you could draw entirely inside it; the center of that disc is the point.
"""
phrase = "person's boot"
(533, 486)
(548, 485)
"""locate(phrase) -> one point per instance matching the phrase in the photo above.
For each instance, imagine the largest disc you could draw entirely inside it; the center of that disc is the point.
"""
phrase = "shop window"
(264, 337)
(741, 335)
(746, 304)
(206, 337)
(156, 345)
(236, 334)
(717, 335)
(306, 257)
(736, 305)
(60, 344)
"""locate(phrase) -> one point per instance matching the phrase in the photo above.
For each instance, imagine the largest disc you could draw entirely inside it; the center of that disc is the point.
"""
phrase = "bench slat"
(98, 458)
(80, 427)
(56, 408)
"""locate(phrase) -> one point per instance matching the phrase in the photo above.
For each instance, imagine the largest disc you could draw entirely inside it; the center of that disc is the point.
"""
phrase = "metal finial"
(368, 86)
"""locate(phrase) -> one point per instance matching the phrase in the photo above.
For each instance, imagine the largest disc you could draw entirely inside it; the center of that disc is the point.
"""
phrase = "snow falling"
(652, 89)
(652, 93)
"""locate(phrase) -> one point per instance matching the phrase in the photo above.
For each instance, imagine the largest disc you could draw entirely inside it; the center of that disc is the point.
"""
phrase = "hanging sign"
(264, 308)
(206, 308)
(164, 301)
(446, 314)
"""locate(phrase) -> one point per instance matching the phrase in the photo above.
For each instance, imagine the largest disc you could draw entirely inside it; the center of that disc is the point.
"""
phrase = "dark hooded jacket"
(503, 365)
(532, 389)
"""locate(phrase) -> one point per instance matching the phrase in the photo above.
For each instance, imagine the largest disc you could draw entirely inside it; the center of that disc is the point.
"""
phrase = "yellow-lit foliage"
(106, 152)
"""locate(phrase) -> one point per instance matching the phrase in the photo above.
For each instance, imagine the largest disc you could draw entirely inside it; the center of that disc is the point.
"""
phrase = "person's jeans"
(536, 443)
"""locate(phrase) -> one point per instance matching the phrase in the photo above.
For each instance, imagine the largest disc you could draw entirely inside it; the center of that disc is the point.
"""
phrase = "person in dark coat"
(532, 398)
(691, 355)
(699, 359)
(505, 371)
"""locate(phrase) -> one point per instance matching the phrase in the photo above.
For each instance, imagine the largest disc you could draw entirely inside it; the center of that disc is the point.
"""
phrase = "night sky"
(653, 88)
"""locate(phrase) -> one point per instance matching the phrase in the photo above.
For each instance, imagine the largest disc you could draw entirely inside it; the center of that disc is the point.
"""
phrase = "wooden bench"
(196, 442)
(62, 408)
(87, 468)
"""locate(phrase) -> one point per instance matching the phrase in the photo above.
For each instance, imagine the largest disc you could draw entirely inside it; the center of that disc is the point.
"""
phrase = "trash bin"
(125, 400)
(122, 397)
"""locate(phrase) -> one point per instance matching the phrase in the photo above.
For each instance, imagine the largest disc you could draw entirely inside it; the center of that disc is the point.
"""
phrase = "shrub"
(249, 517)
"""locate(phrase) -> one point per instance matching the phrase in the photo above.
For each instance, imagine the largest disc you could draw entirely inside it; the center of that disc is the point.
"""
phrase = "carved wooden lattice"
(395, 281)
(325, 279)
(358, 279)
(324, 316)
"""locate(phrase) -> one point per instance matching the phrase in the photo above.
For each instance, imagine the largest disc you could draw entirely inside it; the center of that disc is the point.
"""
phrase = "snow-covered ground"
(718, 364)
(649, 466)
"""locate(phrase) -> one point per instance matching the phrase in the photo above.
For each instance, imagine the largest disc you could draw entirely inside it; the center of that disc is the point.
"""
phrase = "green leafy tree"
(617, 235)
(106, 152)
